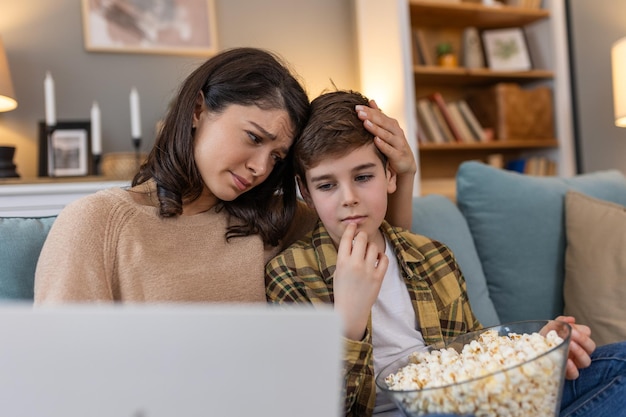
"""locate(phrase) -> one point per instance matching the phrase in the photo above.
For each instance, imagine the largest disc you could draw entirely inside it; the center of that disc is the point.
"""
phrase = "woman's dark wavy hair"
(242, 76)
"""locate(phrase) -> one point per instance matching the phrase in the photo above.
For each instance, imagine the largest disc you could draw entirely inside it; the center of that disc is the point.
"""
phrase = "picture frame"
(506, 49)
(65, 151)
(183, 27)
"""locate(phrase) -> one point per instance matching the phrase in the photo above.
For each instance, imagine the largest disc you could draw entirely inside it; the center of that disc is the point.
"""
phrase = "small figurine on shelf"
(445, 55)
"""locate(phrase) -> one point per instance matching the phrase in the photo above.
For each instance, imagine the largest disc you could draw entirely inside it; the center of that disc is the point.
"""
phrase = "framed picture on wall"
(65, 151)
(506, 49)
(186, 27)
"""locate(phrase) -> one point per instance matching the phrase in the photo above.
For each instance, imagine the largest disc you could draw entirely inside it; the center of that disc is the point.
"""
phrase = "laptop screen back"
(157, 361)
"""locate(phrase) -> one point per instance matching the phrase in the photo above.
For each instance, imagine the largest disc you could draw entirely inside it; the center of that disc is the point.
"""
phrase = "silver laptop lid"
(157, 361)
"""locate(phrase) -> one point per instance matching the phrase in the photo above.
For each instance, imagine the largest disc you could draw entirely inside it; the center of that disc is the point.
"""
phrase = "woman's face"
(236, 150)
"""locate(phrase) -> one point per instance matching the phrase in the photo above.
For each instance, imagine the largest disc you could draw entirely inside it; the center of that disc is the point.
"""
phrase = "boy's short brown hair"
(333, 130)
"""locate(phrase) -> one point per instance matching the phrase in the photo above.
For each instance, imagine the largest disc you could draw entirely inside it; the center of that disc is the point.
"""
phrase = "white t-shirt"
(395, 331)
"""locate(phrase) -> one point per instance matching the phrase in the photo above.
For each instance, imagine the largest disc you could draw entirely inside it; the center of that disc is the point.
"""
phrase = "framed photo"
(506, 49)
(66, 151)
(185, 27)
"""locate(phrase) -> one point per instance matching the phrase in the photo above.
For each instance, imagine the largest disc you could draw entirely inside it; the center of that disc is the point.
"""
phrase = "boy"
(358, 261)
(397, 292)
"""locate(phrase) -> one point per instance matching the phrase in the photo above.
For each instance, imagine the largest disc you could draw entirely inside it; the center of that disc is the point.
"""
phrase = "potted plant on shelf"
(445, 55)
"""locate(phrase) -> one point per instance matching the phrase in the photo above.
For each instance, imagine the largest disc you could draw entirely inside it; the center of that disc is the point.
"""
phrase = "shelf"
(474, 77)
(429, 13)
(489, 146)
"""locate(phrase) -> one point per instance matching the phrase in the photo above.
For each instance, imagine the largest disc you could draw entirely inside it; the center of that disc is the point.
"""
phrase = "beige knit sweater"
(113, 246)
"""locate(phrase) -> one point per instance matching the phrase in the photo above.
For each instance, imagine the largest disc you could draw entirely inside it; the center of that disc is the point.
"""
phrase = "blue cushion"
(438, 218)
(517, 222)
(21, 240)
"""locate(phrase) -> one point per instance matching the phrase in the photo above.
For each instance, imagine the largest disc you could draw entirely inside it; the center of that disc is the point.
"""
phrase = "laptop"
(169, 361)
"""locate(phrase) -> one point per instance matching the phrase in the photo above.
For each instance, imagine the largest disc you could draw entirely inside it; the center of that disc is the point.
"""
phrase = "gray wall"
(317, 37)
(594, 26)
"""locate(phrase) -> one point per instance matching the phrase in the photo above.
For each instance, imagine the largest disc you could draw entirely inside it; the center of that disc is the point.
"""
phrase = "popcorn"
(502, 376)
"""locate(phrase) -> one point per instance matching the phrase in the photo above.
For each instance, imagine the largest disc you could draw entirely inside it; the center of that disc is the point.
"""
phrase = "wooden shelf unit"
(425, 75)
(390, 74)
(440, 161)
(490, 146)
(432, 13)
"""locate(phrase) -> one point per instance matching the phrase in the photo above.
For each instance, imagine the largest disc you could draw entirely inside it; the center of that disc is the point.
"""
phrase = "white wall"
(316, 37)
(594, 26)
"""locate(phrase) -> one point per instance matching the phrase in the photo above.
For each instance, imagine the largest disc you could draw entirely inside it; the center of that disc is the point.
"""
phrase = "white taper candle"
(135, 118)
(48, 84)
(96, 130)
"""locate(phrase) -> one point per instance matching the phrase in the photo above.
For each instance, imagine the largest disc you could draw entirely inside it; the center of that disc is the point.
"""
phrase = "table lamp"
(7, 103)
(618, 60)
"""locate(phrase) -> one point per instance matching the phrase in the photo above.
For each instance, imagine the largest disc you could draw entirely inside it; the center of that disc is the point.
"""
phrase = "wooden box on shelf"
(514, 112)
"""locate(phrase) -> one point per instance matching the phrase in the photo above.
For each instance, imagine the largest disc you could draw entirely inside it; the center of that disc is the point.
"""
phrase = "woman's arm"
(391, 141)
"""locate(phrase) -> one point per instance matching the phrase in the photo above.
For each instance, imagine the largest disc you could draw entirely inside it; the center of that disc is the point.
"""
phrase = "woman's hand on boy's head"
(390, 138)
(580, 348)
(360, 270)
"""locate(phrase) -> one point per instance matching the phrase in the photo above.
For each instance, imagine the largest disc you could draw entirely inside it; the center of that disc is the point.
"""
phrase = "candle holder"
(7, 167)
(96, 159)
(50, 146)
(137, 147)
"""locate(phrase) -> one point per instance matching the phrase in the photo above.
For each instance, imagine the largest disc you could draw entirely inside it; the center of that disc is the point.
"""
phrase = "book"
(517, 165)
(440, 103)
(430, 124)
(476, 128)
(496, 160)
(464, 130)
(421, 135)
(418, 55)
(442, 123)
(427, 54)
(532, 165)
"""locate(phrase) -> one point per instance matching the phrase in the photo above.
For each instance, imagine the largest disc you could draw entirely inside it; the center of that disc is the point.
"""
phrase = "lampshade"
(7, 95)
(618, 59)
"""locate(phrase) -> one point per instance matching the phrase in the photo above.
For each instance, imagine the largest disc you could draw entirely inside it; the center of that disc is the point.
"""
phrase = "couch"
(536, 247)
(509, 233)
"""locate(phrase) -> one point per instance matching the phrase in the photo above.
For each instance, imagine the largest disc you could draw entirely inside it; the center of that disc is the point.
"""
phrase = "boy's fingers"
(382, 262)
(347, 240)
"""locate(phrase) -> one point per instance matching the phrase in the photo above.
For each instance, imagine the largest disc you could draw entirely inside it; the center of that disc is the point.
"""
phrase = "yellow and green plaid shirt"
(303, 273)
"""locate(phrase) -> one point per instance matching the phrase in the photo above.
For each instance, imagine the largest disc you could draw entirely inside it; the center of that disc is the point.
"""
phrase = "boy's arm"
(391, 141)
(470, 319)
(284, 285)
(359, 392)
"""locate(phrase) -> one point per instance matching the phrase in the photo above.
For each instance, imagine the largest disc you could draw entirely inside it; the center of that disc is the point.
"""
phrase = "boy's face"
(350, 189)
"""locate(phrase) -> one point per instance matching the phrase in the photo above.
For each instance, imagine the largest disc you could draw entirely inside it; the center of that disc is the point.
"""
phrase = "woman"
(214, 201)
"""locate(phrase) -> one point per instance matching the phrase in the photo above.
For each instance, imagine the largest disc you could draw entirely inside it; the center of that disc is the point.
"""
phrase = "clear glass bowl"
(530, 388)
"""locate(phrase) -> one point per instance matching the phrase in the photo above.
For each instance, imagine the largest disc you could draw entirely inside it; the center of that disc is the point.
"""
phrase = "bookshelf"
(395, 21)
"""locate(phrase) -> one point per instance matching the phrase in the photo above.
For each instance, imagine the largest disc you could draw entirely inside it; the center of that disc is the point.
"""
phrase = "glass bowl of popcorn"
(514, 369)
